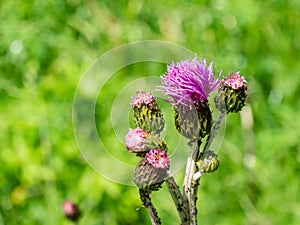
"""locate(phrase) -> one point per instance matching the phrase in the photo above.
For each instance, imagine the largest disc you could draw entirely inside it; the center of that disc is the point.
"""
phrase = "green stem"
(146, 200)
(189, 186)
(214, 130)
(177, 198)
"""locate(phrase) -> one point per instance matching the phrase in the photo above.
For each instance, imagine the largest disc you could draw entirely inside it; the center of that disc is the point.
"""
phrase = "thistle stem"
(146, 200)
(214, 130)
(190, 186)
(177, 198)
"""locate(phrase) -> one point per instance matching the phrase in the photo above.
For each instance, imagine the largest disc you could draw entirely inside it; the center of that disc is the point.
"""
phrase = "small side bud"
(147, 113)
(208, 162)
(232, 94)
(71, 210)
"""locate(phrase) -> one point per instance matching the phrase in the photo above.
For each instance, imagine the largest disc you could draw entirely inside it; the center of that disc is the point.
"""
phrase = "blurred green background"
(46, 46)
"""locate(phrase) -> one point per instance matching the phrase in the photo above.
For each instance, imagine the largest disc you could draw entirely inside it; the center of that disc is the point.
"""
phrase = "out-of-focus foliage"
(47, 45)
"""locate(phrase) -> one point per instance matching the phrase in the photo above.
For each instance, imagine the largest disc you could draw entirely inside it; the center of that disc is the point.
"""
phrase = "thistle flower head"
(71, 210)
(189, 81)
(148, 177)
(146, 111)
(136, 139)
(142, 97)
(232, 93)
(158, 158)
(234, 81)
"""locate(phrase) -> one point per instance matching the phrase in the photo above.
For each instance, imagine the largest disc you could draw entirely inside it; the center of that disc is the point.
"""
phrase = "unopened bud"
(232, 94)
(208, 162)
(147, 113)
(71, 210)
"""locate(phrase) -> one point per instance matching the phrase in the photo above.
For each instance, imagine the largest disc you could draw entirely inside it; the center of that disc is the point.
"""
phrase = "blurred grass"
(45, 48)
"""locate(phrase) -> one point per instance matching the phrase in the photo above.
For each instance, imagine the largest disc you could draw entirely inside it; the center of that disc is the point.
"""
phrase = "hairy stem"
(146, 200)
(177, 198)
(214, 130)
(189, 186)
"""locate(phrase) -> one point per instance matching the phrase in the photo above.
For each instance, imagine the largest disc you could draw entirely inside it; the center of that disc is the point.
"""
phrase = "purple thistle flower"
(136, 140)
(142, 97)
(235, 81)
(189, 81)
(158, 158)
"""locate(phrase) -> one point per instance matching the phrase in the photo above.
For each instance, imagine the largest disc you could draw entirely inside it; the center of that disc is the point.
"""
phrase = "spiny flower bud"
(208, 162)
(193, 124)
(147, 114)
(151, 172)
(71, 210)
(232, 94)
(140, 141)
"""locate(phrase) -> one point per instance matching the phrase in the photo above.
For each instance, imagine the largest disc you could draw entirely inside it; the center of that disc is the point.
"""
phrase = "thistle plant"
(187, 85)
